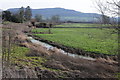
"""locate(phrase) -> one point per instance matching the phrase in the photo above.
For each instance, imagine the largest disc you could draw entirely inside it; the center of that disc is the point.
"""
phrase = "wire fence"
(0, 48)
(7, 45)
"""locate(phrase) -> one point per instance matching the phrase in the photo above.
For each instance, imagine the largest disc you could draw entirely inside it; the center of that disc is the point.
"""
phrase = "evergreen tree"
(21, 14)
(15, 18)
(6, 15)
(28, 13)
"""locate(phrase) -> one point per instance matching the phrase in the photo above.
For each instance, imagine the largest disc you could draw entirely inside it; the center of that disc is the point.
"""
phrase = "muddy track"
(77, 51)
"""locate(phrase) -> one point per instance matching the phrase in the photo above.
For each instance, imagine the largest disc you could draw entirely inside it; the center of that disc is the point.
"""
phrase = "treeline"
(52, 19)
(24, 14)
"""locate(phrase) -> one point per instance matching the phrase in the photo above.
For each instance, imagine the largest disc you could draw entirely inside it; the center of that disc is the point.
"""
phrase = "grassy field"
(95, 40)
(80, 25)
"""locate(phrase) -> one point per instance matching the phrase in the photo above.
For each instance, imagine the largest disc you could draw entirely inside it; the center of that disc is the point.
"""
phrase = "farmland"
(81, 25)
(59, 43)
(93, 40)
(34, 59)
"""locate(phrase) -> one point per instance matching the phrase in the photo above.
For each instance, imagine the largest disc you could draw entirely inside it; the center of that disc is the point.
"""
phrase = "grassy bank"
(57, 65)
(21, 56)
(95, 40)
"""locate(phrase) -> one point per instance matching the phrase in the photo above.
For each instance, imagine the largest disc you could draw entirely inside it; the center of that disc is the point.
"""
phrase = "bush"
(5, 22)
(42, 25)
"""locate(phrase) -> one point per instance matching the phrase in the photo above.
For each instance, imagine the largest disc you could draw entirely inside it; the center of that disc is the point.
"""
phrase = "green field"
(80, 25)
(95, 40)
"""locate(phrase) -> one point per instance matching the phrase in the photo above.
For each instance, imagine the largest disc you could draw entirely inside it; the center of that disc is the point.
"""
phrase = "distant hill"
(65, 14)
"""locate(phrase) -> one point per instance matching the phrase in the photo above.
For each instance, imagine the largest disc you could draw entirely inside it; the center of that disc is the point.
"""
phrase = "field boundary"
(79, 27)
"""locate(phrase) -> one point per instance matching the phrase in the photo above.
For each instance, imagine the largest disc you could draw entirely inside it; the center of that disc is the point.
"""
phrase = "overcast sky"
(78, 5)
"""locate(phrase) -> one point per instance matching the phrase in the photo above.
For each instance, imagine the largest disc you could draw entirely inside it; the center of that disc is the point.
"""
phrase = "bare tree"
(38, 18)
(114, 7)
(102, 8)
(114, 10)
(109, 7)
(55, 19)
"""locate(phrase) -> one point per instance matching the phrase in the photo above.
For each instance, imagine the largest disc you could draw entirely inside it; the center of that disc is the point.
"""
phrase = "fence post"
(9, 49)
